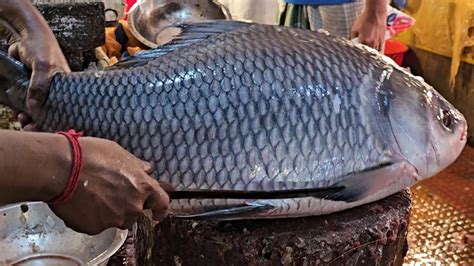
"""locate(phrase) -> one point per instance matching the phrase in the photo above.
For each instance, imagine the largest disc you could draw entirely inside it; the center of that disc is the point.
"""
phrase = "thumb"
(14, 51)
(158, 201)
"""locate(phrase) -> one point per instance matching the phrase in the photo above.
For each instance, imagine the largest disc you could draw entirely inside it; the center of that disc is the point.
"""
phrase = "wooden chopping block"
(372, 234)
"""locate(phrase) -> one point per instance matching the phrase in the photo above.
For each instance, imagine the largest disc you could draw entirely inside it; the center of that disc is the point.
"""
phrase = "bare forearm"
(22, 16)
(376, 7)
(33, 166)
(36, 166)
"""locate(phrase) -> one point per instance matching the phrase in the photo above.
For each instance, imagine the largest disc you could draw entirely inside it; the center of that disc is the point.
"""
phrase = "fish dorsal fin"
(189, 33)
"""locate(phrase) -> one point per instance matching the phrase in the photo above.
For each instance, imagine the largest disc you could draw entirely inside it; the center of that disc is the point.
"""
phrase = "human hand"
(26, 123)
(40, 52)
(113, 191)
(33, 43)
(370, 28)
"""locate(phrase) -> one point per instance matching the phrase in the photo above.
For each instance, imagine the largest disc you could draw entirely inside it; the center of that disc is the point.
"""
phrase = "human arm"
(370, 26)
(114, 186)
(33, 43)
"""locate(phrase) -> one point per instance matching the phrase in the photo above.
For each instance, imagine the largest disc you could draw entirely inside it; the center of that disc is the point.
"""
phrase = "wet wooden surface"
(374, 233)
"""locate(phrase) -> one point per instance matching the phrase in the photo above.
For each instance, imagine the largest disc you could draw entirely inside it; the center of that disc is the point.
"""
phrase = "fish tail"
(14, 79)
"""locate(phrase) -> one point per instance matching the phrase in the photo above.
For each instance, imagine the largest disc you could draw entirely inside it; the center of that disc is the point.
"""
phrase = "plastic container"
(395, 50)
(129, 4)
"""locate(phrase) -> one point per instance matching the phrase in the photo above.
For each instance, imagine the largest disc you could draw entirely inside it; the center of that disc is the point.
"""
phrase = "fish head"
(429, 131)
(447, 128)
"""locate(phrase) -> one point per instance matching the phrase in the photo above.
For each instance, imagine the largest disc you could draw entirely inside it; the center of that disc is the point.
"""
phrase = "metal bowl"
(149, 20)
(31, 234)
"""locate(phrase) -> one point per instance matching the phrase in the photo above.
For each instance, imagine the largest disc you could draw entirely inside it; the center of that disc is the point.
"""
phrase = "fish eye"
(447, 119)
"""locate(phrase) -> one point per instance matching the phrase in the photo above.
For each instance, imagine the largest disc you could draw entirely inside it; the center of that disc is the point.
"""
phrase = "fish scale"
(185, 77)
(245, 119)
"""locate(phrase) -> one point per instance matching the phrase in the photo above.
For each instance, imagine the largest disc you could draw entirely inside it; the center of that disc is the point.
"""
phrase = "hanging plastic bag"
(397, 22)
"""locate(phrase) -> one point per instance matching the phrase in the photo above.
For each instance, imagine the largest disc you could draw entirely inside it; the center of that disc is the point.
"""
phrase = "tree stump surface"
(372, 234)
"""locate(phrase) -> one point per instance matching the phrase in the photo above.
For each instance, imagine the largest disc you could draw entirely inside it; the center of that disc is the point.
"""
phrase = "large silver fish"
(255, 121)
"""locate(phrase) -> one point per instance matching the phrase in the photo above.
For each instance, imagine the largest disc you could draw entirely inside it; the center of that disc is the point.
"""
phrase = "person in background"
(364, 19)
(114, 186)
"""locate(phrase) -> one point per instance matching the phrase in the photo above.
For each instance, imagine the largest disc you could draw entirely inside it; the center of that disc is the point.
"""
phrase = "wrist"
(59, 163)
(376, 8)
(76, 167)
(379, 17)
(33, 166)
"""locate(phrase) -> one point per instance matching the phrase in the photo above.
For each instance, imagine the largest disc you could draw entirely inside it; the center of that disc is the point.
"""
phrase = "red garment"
(129, 4)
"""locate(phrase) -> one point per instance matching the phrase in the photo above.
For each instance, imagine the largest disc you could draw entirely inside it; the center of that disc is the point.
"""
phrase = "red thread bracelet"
(76, 168)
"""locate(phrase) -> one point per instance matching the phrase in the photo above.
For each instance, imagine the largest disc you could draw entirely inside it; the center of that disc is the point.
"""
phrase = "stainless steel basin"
(149, 20)
(31, 234)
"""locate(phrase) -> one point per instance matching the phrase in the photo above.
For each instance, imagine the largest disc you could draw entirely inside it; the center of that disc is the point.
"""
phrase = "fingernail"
(147, 167)
(22, 119)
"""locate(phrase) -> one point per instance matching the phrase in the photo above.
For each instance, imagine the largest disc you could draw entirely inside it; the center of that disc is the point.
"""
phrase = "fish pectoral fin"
(228, 212)
(253, 194)
(188, 34)
(386, 176)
